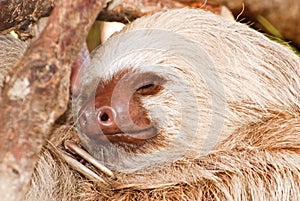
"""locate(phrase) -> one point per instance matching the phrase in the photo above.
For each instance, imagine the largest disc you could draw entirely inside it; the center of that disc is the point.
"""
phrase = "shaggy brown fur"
(11, 50)
(258, 157)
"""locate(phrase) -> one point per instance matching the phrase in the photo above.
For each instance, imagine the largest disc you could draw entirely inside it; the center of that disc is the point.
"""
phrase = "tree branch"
(20, 16)
(36, 92)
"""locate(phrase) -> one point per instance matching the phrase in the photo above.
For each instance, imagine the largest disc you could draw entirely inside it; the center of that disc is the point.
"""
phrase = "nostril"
(106, 116)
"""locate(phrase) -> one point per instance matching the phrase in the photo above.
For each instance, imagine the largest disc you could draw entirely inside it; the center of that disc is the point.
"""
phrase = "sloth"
(180, 105)
(11, 50)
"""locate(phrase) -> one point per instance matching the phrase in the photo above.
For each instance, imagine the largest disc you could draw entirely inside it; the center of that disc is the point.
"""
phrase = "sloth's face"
(140, 117)
(120, 113)
(146, 103)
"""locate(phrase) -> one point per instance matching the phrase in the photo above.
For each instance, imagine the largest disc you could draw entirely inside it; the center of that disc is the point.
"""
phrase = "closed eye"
(147, 86)
(149, 89)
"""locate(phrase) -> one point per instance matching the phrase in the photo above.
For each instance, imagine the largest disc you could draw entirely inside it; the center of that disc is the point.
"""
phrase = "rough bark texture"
(35, 92)
(18, 15)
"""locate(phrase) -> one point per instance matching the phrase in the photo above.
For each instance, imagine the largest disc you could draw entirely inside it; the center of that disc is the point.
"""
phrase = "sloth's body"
(230, 116)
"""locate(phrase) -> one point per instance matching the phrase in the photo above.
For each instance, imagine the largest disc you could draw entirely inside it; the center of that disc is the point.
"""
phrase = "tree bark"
(36, 93)
(19, 15)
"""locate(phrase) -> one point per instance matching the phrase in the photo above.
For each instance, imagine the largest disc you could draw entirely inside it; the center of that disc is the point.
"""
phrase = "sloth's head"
(145, 98)
(172, 85)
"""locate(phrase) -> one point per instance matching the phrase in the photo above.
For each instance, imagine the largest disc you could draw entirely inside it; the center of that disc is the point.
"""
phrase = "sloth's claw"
(72, 146)
(82, 169)
(90, 174)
